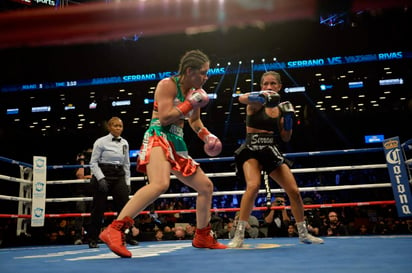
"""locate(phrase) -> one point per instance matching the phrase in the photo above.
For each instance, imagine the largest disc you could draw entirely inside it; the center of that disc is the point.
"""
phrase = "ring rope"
(15, 162)
(15, 179)
(221, 174)
(194, 194)
(218, 159)
(332, 205)
(231, 174)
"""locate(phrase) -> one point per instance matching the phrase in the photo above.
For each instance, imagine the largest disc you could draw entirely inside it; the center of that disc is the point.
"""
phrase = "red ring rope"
(333, 205)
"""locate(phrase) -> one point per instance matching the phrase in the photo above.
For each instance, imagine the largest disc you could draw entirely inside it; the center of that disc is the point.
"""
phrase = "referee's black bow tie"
(116, 139)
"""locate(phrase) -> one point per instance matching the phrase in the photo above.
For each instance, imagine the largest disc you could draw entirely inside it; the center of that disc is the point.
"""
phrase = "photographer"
(83, 158)
(81, 190)
(251, 227)
(277, 221)
(312, 218)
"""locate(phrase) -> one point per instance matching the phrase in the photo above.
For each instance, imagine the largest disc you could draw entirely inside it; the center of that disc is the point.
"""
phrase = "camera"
(309, 214)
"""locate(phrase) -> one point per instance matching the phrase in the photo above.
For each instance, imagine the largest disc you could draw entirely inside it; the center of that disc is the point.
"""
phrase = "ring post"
(39, 191)
(399, 176)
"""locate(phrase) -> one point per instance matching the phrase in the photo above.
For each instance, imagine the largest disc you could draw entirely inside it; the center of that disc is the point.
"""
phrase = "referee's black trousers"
(120, 192)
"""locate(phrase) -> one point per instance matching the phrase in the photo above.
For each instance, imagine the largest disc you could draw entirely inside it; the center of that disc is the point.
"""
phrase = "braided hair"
(192, 59)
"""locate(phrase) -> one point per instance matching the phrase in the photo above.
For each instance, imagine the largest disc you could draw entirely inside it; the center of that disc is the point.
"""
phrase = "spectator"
(292, 232)
(363, 230)
(190, 231)
(179, 233)
(333, 226)
(251, 227)
(312, 218)
(168, 233)
(227, 230)
(82, 190)
(277, 221)
(159, 235)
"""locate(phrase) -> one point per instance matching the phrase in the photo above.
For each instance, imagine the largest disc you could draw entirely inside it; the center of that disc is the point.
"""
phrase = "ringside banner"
(399, 176)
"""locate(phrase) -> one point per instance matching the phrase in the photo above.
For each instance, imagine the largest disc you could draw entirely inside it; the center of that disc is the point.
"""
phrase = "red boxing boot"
(114, 236)
(205, 238)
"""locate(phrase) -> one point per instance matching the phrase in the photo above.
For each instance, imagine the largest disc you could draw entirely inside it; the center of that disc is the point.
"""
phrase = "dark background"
(369, 31)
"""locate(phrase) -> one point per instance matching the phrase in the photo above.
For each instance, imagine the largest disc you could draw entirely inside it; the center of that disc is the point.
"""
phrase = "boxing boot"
(205, 238)
(114, 236)
(237, 241)
(305, 237)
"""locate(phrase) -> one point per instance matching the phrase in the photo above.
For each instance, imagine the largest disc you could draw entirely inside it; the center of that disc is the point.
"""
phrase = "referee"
(110, 167)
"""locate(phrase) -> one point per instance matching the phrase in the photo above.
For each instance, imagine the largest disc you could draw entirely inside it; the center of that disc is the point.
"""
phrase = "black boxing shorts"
(261, 147)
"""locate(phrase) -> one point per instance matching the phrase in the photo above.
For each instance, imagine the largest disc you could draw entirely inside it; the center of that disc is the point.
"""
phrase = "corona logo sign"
(391, 144)
(399, 176)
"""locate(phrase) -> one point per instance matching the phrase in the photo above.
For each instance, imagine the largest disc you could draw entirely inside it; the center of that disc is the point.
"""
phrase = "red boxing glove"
(213, 146)
(196, 98)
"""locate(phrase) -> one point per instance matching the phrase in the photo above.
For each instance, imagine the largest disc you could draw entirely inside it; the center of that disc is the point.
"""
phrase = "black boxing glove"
(288, 113)
(272, 99)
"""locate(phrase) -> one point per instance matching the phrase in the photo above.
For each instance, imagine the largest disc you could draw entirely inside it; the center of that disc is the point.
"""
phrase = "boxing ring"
(119, 19)
(338, 254)
(367, 253)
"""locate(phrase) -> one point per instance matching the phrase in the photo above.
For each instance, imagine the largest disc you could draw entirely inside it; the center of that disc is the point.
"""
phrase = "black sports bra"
(261, 120)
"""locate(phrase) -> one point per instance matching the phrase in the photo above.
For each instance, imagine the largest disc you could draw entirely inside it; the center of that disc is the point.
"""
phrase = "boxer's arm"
(164, 96)
(252, 98)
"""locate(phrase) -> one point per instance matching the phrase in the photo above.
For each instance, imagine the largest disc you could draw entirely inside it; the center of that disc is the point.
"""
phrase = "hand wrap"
(196, 98)
(256, 97)
(267, 97)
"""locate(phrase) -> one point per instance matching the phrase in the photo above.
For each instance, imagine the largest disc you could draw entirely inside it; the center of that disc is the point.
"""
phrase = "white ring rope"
(219, 193)
(239, 192)
(14, 198)
(222, 174)
(214, 175)
(230, 174)
(15, 179)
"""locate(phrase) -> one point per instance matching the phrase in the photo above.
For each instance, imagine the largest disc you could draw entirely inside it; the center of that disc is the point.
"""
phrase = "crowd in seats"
(363, 220)
(342, 221)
